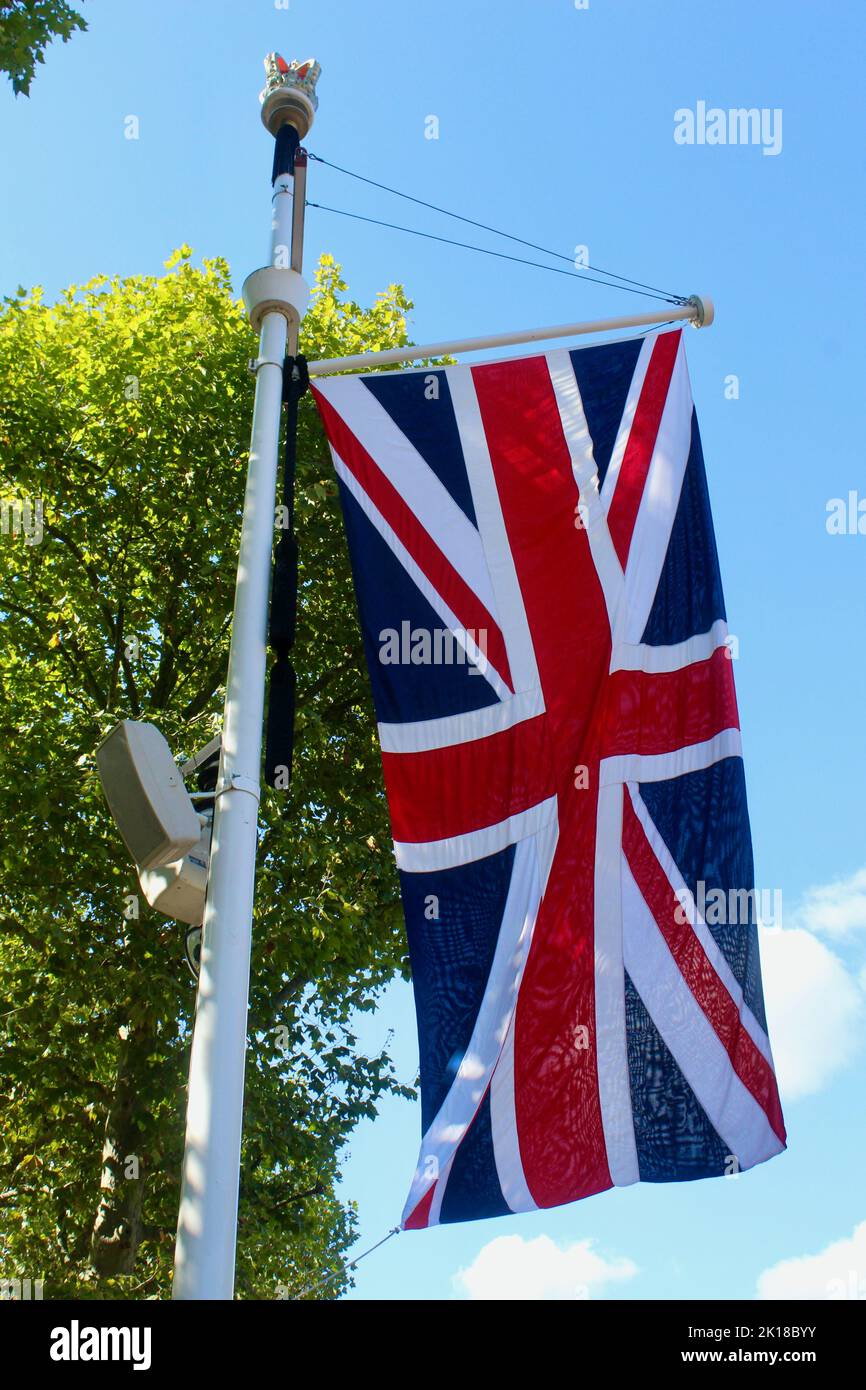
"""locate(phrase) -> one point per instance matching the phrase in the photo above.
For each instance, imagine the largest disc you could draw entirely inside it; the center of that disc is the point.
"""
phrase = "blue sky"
(558, 124)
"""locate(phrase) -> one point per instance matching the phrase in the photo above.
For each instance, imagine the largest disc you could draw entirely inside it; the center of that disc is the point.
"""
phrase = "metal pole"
(697, 309)
(207, 1221)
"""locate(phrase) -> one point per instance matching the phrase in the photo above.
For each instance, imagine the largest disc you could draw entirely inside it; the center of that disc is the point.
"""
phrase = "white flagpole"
(696, 309)
(276, 298)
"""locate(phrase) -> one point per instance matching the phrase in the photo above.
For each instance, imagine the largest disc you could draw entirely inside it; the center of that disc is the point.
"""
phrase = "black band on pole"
(296, 378)
(280, 735)
(284, 596)
(286, 143)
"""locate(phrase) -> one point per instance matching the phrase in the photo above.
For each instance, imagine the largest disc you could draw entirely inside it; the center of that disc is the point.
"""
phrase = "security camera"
(192, 950)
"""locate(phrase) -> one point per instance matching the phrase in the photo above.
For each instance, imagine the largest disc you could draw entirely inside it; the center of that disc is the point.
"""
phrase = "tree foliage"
(26, 29)
(126, 410)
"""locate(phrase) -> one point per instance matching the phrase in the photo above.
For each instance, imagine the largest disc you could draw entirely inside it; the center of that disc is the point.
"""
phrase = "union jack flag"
(565, 780)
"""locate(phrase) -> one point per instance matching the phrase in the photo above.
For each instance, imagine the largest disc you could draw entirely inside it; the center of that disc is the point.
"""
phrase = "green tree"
(26, 29)
(125, 420)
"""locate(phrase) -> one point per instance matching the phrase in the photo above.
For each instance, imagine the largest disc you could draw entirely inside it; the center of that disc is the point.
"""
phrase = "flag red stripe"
(660, 713)
(450, 791)
(629, 488)
(556, 1100)
(751, 1066)
(419, 1218)
(469, 610)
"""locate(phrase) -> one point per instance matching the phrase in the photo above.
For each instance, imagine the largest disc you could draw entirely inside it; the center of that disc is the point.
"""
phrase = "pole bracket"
(236, 782)
(256, 362)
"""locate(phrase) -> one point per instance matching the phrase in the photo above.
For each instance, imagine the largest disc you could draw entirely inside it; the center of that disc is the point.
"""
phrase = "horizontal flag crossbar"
(697, 309)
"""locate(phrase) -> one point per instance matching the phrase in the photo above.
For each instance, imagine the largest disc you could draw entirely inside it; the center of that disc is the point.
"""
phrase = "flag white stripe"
(503, 1124)
(583, 465)
(426, 497)
(610, 1025)
(422, 857)
(658, 507)
(488, 1035)
(417, 575)
(659, 660)
(439, 1195)
(685, 1029)
(491, 524)
(419, 736)
(610, 478)
(503, 1115)
(659, 767)
(700, 928)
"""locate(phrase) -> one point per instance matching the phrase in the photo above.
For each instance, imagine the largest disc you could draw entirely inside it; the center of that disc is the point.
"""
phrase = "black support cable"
(497, 231)
(280, 736)
(500, 255)
(330, 1278)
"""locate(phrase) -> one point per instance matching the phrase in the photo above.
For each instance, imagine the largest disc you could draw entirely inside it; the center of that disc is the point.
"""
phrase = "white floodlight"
(146, 796)
(178, 889)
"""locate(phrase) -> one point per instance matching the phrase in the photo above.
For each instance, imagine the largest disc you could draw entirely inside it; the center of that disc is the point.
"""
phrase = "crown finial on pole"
(289, 94)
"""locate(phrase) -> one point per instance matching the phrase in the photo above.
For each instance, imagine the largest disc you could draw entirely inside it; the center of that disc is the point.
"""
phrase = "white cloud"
(836, 909)
(837, 1272)
(513, 1268)
(815, 1010)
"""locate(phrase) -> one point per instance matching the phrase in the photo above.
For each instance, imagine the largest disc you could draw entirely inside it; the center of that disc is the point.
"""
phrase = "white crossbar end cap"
(706, 310)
